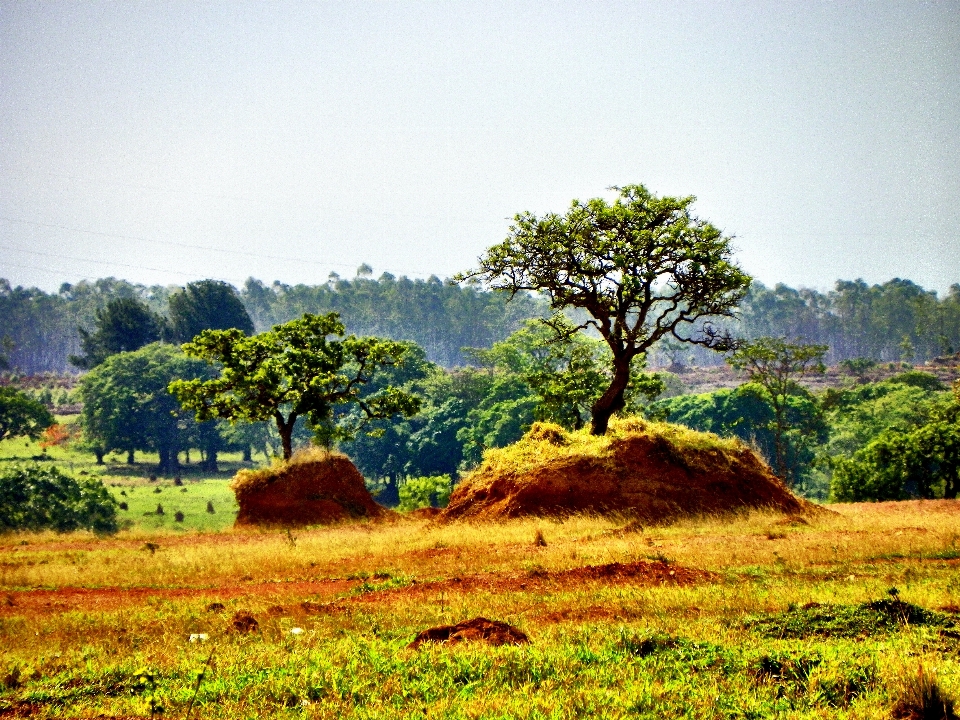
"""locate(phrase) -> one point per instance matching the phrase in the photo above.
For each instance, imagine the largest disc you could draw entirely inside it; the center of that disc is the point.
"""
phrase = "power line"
(189, 246)
(115, 264)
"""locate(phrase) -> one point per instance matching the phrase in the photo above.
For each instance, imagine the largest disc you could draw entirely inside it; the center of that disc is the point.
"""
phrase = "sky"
(164, 142)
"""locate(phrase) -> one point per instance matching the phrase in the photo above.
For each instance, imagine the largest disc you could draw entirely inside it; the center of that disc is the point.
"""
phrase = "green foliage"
(747, 413)
(643, 268)
(124, 325)
(922, 463)
(206, 305)
(443, 318)
(894, 440)
(869, 618)
(566, 373)
(37, 497)
(422, 492)
(126, 405)
(21, 416)
(776, 366)
(293, 371)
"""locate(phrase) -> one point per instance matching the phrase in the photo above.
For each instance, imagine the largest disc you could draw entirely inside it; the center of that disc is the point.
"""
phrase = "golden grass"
(546, 442)
(251, 479)
(355, 648)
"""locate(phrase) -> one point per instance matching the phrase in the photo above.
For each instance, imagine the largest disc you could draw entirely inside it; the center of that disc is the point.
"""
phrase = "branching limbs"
(642, 267)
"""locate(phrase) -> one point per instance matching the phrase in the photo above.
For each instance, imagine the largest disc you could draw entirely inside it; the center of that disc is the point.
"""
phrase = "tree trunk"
(99, 454)
(612, 399)
(285, 429)
(129, 457)
(247, 454)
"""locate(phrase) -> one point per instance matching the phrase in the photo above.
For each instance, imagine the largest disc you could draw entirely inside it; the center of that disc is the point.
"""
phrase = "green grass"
(795, 622)
(132, 484)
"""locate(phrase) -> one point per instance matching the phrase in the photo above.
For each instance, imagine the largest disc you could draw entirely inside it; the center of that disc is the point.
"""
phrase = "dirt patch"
(316, 488)
(244, 622)
(73, 599)
(652, 472)
(642, 572)
(491, 632)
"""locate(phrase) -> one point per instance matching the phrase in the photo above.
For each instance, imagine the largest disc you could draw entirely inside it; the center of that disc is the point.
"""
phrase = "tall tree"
(776, 365)
(124, 325)
(206, 305)
(126, 405)
(642, 267)
(295, 370)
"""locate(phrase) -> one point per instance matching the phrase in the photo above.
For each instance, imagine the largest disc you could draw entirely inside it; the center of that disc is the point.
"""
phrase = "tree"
(126, 405)
(21, 415)
(125, 324)
(206, 305)
(776, 365)
(921, 462)
(747, 413)
(642, 267)
(294, 370)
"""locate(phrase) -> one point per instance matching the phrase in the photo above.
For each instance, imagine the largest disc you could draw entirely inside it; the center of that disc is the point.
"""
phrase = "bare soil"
(645, 477)
(314, 492)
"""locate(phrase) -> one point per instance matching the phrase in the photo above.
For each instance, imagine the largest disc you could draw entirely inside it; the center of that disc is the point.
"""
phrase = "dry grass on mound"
(656, 472)
(314, 487)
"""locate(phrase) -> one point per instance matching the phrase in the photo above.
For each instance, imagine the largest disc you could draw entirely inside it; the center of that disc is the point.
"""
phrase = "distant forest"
(895, 321)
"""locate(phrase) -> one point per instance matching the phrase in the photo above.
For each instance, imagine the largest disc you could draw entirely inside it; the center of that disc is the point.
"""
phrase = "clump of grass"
(178, 516)
(836, 620)
(920, 697)
(252, 479)
(547, 442)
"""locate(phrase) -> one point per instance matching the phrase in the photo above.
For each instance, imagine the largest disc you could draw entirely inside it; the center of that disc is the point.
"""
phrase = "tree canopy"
(126, 405)
(303, 368)
(776, 366)
(206, 305)
(125, 324)
(643, 268)
(21, 415)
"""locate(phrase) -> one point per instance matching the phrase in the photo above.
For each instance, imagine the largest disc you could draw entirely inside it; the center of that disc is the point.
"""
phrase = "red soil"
(329, 595)
(311, 492)
(644, 476)
(492, 632)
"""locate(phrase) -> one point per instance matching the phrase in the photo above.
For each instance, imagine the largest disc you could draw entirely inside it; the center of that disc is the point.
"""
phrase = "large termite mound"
(655, 472)
(314, 487)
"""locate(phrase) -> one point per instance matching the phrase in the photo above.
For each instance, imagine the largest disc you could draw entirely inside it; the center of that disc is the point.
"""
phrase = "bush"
(421, 492)
(37, 497)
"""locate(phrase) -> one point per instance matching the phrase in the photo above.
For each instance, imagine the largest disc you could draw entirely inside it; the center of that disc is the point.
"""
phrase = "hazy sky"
(164, 142)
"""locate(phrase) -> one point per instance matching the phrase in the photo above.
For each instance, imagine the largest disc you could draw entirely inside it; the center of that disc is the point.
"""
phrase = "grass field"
(840, 616)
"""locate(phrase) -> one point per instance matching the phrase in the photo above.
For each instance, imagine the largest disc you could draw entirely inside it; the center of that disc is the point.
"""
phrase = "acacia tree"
(777, 365)
(643, 268)
(294, 370)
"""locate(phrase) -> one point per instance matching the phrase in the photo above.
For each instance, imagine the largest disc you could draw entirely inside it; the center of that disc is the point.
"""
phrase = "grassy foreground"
(776, 624)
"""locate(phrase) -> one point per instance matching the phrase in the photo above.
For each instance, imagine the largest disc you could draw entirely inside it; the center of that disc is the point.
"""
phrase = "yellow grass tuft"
(546, 442)
(252, 479)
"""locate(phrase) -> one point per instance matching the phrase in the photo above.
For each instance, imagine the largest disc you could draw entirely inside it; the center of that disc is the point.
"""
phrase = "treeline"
(894, 321)
(40, 331)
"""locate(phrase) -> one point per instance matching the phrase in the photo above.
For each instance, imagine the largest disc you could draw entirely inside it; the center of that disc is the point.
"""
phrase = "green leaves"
(300, 368)
(21, 415)
(643, 268)
(34, 497)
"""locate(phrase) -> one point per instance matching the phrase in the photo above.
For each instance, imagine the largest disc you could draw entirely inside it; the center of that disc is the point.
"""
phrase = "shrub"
(421, 492)
(37, 497)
